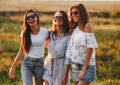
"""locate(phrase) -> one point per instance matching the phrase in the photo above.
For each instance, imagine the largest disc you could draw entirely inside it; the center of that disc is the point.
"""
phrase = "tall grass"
(107, 33)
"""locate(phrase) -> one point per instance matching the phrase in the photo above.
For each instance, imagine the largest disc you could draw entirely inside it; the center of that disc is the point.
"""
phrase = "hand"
(81, 74)
(11, 73)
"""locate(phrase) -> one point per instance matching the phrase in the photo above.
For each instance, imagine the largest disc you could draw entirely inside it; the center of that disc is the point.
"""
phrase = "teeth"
(31, 21)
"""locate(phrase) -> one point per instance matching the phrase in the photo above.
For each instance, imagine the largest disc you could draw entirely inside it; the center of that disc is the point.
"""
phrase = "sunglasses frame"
(75, 13)
(31, 16)
(58, 17)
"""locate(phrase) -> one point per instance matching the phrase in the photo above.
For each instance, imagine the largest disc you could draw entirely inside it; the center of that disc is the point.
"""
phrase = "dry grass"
(6, 61)
(10, 37)
(57, 5)
(107, 27)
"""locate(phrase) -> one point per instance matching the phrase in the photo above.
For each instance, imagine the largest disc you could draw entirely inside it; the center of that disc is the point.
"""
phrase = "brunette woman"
(57, 44)
(32, 46)
(81, 49)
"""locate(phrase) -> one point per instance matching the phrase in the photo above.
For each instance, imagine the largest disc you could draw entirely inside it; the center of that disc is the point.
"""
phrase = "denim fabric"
(89, 76)
(32, 67)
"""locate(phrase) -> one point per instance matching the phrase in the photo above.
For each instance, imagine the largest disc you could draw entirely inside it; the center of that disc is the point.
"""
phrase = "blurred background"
(104, 15)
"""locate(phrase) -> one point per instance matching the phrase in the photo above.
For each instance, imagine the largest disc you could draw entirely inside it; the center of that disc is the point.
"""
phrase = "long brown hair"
(26, 38)
(65, 24)
(84, 16)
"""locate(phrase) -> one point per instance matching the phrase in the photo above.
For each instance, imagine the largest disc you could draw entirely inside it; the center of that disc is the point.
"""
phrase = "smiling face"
(31, 19)
(75, 15)
(58, 19)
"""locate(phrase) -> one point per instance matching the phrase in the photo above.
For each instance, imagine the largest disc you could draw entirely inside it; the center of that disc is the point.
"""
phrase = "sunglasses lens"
(58, 17)
(32, 16)
(27, 17)
(75, 13)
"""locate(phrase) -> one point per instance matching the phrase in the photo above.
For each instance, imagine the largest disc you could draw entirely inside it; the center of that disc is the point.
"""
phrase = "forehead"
(30, 13)
(74, 9)
(58, 14)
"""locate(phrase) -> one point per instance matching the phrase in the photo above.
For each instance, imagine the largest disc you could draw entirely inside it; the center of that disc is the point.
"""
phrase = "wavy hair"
(65, 25)
(84, 16)
(26, 38)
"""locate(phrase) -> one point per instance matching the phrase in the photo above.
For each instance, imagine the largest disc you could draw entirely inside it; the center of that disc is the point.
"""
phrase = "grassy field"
(107, 32)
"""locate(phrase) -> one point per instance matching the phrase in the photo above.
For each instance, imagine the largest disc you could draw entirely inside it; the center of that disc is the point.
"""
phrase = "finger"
(79, 76)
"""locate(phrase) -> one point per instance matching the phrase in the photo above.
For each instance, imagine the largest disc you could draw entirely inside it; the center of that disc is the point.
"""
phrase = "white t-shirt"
(77, 48)
(37, 48)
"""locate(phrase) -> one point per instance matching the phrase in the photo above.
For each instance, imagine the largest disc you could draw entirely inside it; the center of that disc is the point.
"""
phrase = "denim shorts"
(89, 76)
(32, 67)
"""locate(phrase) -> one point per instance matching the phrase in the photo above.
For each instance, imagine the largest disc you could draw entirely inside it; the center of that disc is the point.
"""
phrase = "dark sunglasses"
(74, 12)
(31, 16)
(58, 17)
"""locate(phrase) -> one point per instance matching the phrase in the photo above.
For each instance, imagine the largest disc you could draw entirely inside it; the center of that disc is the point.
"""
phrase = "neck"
(35, 29)
(80, 26)
(58, 31)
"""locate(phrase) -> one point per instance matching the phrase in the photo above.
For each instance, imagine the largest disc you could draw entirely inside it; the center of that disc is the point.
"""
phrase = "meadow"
(106, 29)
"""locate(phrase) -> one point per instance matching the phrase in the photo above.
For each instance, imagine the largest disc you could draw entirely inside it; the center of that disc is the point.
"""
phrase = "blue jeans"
(90, 74)
(32, 67)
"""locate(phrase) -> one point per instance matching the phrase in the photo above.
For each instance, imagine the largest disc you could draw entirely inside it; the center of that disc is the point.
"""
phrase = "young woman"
(32, 45)
(57, 44)
(81, 49)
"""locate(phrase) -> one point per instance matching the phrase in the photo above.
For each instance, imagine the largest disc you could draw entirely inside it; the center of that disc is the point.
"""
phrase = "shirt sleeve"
(91, 40)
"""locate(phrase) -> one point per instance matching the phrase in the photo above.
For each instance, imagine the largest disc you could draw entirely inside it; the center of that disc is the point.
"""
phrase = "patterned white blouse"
(77, 48)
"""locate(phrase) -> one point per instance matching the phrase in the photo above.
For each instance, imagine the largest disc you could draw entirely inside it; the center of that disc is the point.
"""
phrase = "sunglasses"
(58, 17)
(31, 16)
(74, 12)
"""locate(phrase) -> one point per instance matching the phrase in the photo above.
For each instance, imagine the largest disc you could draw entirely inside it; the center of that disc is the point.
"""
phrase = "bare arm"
(87, 59)
(18, 57)
(46, 42)
(65, 77)
(88, 29)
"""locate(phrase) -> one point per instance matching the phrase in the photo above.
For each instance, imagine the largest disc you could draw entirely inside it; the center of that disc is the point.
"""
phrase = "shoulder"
(88, 28)
(67, 36)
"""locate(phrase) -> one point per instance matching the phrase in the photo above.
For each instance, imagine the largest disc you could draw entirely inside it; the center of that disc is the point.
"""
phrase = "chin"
(75, 21)
(57, 24)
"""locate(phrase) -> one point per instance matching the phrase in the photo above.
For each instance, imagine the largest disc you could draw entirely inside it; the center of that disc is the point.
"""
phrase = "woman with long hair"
(81, 49)
(57, 44)
(32, 46)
